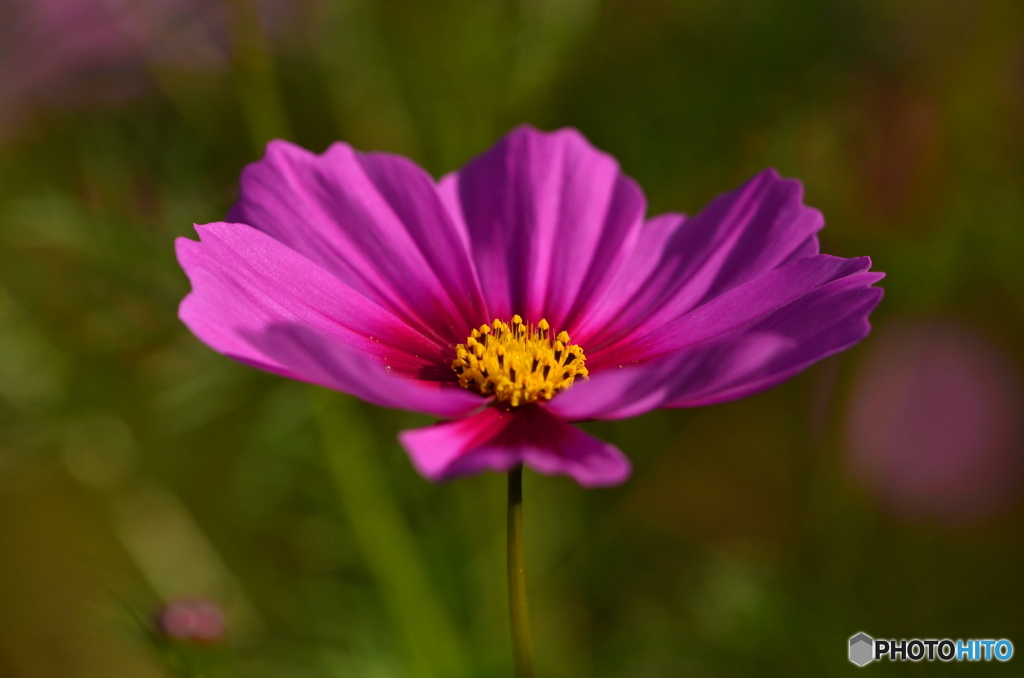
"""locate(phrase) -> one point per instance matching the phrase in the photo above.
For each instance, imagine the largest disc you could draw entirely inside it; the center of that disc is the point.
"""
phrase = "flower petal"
(732, 311)
(750, 359)
(497, 440)
(628, 298)
(244, 283)
(310, 358)
(548, 218)
(376, 222)
(679, 264)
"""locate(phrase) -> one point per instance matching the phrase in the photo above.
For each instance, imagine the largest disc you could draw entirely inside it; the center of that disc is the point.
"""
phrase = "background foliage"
(877, 492)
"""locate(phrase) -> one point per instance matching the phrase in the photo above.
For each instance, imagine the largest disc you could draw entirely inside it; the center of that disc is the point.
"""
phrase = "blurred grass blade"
(385, 540)
(260, 97)
(361, 80)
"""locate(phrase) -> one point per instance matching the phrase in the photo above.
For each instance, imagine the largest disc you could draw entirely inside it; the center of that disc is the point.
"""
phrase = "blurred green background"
(878, 492)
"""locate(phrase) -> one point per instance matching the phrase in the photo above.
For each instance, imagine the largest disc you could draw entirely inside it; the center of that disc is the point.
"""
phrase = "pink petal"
(376, 222)
(728, 366)
(678, 264)
(310, 358)
(665, 332)
(644, 268)
(548, 218)
(259, 302)
(824, 322)
(497, 440)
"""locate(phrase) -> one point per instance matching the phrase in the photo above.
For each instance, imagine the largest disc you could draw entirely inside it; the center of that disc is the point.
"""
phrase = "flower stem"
(522, 647)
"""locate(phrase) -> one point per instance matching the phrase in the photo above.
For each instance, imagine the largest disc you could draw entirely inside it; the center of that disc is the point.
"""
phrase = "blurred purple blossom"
(192, 619)
(68, 53)
(933, 426)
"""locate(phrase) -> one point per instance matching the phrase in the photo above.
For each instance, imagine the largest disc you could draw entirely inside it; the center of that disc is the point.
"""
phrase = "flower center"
(518, 363)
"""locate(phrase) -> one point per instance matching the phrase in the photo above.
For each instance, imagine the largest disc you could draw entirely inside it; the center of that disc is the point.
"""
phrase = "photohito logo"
(864, 649)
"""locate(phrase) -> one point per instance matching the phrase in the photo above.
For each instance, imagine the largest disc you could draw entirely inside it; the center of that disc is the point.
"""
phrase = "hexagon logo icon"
(862, 649)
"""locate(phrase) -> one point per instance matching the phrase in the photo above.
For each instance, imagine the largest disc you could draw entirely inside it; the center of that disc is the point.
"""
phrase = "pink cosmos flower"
(523, 293)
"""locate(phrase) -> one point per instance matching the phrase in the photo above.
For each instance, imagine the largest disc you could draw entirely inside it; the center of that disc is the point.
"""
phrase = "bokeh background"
(879, 491)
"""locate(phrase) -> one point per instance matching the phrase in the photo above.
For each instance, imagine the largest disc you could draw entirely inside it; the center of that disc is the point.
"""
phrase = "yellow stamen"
(518, 363)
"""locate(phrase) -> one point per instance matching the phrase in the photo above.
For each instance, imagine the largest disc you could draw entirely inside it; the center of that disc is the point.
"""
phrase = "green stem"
(522, 647)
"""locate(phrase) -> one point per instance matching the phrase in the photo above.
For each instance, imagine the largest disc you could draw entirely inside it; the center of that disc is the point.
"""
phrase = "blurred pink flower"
(361, 273)
(192, 619)
(934, 422)
(61, 53)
